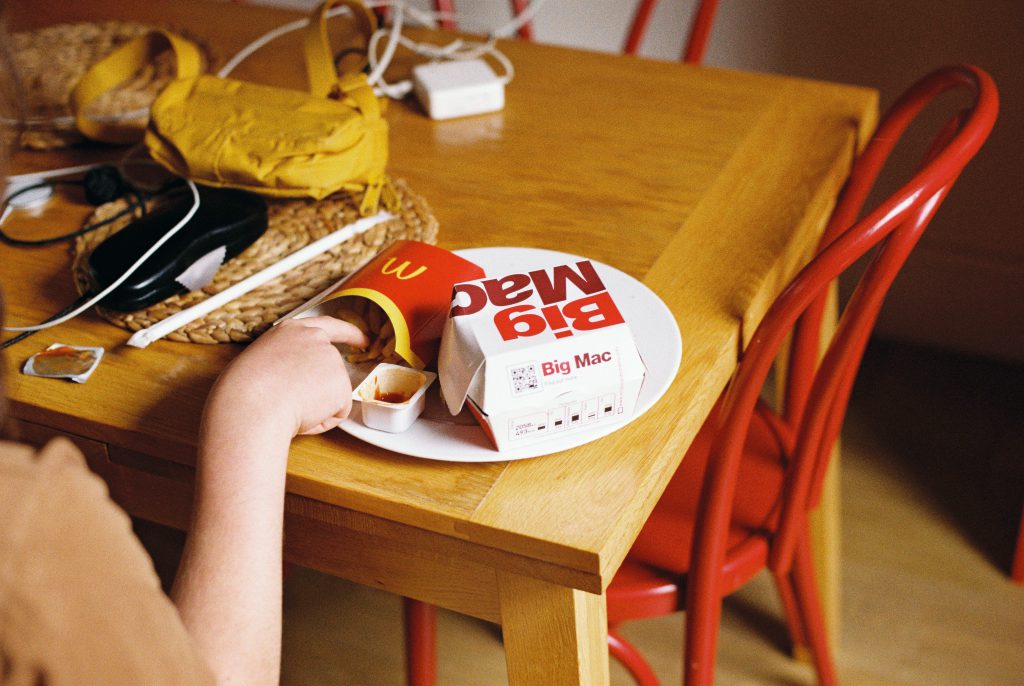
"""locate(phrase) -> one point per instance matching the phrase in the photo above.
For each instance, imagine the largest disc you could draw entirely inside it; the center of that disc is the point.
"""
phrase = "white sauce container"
(392, 397)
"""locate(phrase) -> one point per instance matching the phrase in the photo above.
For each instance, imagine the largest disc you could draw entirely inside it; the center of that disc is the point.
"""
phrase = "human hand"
(292, 380)
(292, 377)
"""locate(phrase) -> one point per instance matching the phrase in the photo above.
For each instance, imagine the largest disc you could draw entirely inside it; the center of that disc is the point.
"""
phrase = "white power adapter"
(458, 88)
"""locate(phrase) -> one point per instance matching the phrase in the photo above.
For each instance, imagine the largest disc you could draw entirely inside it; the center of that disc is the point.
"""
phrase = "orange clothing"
(80, 602)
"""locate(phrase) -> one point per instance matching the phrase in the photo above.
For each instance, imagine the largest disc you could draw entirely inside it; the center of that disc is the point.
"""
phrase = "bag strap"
(325, 82)
(320, 70)
(118, 67)
(121, 64)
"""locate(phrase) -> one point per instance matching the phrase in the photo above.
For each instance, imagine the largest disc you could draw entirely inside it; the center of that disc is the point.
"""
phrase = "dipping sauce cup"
(392, 397)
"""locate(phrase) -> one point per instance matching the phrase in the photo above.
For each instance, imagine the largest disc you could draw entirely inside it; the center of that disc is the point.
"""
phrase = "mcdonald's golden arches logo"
(399, 271)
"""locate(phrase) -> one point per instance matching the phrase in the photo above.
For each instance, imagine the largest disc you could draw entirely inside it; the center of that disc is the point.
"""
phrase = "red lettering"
(559, 326)
(554, 317)
(518, 322)
(594, 312)
(508, 290)
(477, 299)
(553, 289)
(587, 359)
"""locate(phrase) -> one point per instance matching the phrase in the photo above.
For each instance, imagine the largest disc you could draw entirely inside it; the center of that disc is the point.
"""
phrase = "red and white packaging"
(537, 354)
(412, 283)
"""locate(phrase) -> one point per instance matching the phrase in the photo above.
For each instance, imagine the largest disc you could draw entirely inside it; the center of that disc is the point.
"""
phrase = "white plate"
(438, 436)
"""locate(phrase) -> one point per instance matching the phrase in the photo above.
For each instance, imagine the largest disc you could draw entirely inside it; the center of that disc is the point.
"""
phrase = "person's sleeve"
(80, 602)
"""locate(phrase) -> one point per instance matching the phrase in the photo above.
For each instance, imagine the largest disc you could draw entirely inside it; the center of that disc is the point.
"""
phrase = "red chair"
(752, 476)
(741, 499)
(693, 51)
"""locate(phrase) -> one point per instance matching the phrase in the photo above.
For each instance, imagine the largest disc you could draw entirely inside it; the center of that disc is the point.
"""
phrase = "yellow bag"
(267, 140)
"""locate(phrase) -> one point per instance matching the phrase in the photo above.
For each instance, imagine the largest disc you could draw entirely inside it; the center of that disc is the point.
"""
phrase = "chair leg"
(447, 7)
(639, 26)
(420, 642)
(631, 659)
(703, 615)
(526, 30)
(811, 615)
(797, 633)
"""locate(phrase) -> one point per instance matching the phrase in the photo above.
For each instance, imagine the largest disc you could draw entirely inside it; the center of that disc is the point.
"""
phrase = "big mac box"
(538, 354)
(400, 299)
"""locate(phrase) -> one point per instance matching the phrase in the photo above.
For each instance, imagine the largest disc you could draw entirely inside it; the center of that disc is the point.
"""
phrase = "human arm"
(291, 381)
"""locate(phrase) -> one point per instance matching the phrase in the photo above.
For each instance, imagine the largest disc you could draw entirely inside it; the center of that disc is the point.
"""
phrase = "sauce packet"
(61, 361)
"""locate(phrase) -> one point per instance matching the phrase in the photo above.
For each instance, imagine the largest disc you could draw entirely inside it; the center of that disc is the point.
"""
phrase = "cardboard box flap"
(462, 364)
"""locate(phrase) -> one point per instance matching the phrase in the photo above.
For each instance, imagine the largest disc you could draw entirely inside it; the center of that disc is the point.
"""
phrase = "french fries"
(368, 317)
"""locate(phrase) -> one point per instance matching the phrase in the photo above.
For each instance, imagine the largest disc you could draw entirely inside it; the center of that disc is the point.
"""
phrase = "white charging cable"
(27, 200)
(18, 181)
(121, 279)
(458, 49)
(377, 67)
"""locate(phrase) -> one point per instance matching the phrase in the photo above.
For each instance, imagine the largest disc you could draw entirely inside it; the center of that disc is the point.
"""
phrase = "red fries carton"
(400, 299)
(538, 354)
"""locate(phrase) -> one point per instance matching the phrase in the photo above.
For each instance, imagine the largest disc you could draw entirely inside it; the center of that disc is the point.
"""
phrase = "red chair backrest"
(696, 42)
(448, 21)
(526, 30)
(693, 50)
(817, 393)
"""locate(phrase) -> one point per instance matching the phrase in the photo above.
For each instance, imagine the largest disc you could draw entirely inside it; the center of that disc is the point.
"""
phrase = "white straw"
(142, 338)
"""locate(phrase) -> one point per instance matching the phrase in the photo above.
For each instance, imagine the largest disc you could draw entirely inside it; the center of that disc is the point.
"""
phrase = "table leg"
(826, 528)
(554, 635)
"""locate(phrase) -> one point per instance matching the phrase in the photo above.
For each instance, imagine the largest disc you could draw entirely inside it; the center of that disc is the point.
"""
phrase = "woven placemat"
(292, 224)
(51, 61)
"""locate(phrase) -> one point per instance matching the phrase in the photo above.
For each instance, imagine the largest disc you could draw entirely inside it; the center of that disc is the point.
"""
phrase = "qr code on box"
(524, 379)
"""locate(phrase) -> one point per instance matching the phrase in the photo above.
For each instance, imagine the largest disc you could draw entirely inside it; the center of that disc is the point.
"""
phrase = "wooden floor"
(933, 484)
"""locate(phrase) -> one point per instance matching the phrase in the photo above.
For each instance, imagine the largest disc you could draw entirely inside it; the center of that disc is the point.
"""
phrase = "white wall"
(964, 286)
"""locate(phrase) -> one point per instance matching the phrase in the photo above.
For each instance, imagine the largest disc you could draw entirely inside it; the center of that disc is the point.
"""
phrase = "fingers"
(329, 423)
(322, 427)
(337, 331)
(369, 318)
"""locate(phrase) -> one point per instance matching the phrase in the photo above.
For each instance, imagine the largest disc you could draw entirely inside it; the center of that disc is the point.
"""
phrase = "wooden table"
(710, 186)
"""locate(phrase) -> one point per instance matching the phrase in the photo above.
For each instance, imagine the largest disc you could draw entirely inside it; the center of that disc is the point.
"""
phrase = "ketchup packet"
(61, 361)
